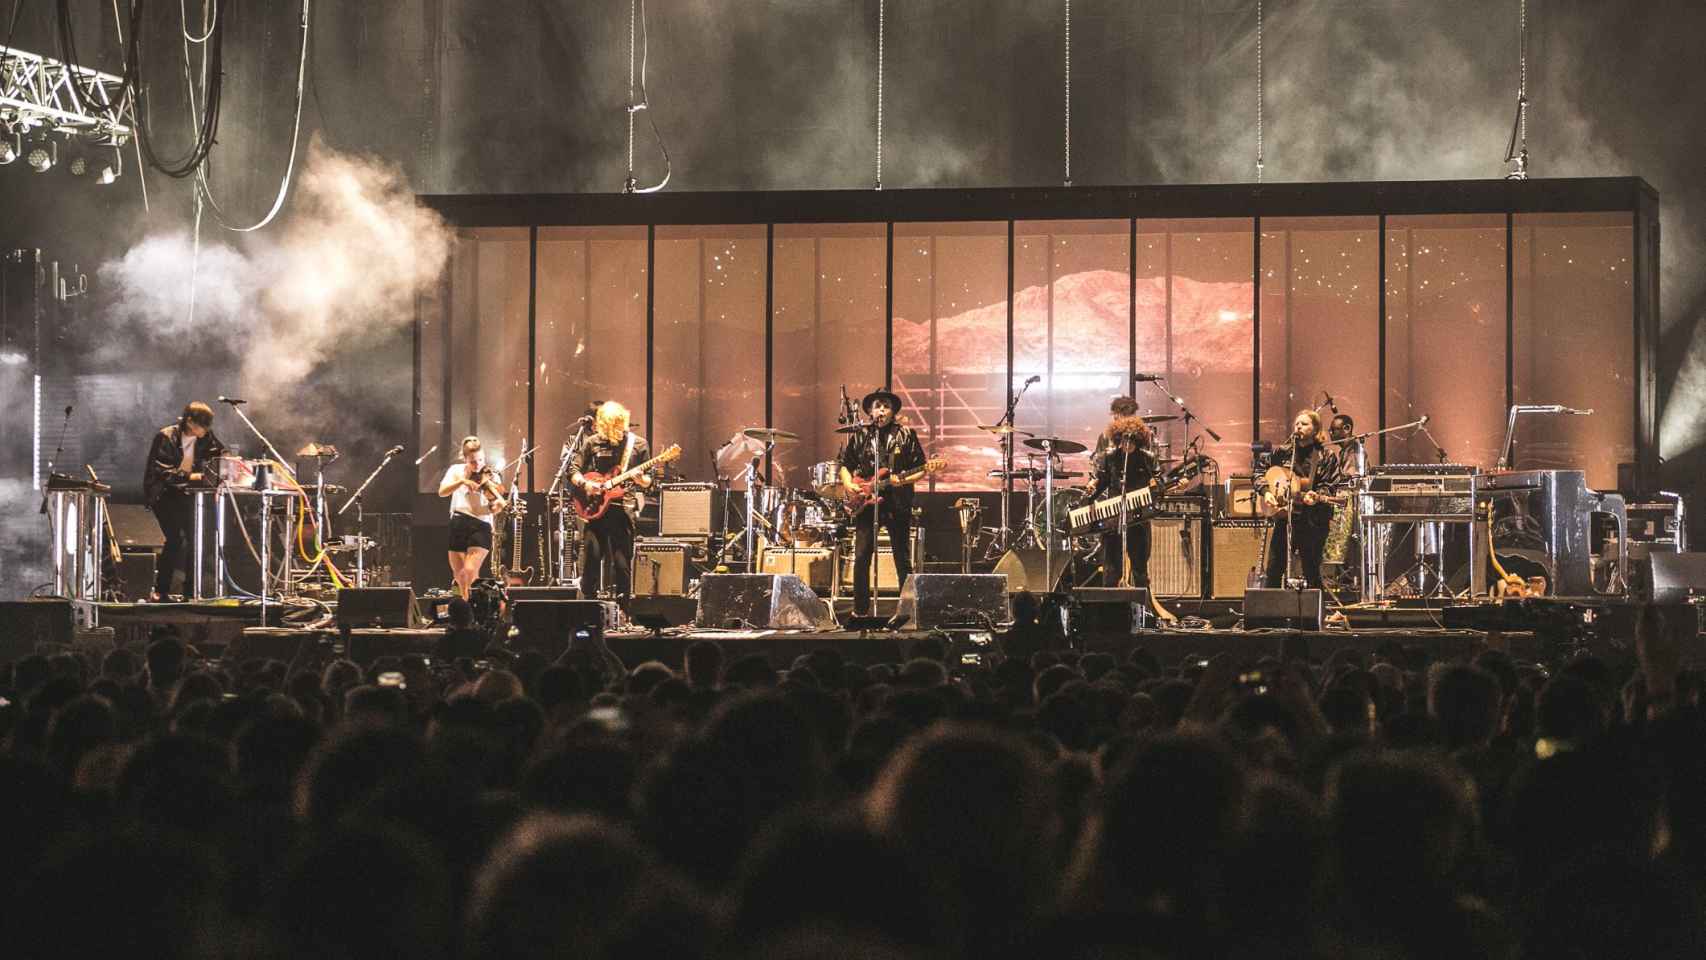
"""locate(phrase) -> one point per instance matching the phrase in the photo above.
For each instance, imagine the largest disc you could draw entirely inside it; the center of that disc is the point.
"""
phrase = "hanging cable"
(882, 24)
(637, 11)
(207, 123)
(1260, 159)
(205, 188)
(1068, 150)
(1516, 151)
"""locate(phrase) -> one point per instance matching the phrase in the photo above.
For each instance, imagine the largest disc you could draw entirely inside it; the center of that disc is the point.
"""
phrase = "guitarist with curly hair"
(611, 450)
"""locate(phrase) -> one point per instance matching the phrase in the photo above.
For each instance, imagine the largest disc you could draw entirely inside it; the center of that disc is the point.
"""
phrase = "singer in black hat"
(884, 443)
(178, 462)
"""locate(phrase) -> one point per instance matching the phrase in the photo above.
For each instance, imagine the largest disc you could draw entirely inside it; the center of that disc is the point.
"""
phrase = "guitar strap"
(627, 452)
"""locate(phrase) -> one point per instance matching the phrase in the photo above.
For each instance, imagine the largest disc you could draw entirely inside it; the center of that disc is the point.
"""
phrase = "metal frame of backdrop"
(1249, 202)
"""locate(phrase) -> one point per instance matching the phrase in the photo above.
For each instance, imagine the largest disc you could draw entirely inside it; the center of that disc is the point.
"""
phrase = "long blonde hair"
(611, 421)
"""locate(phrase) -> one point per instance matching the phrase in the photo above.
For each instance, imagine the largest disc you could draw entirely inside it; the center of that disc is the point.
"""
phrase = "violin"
(487, 480)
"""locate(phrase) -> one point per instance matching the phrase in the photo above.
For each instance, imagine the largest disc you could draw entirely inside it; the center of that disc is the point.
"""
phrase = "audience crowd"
(1068, 804)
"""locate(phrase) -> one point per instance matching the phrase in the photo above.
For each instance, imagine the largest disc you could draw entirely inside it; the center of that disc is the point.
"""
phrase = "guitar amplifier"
(660, 568)
(814, 565)
(686, 509)
(1175, 556)
(1235, 549)
(887, 582)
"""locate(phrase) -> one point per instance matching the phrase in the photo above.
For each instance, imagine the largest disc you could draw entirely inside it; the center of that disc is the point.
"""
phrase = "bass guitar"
(591, 506)
(866, 491)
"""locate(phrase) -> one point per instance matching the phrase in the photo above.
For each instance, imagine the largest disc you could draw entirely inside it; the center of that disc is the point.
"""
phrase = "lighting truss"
(41, 91)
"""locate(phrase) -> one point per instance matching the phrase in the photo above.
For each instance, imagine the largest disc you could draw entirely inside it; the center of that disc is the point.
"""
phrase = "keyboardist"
(1126, 464)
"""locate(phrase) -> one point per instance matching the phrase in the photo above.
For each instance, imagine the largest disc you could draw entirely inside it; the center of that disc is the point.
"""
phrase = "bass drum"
(1065, 501)
(826, 480)
(807, 523)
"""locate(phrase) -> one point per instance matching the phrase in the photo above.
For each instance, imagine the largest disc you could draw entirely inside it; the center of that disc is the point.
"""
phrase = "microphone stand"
(1167, 391)
(266, 507)
(553, 500)
(361, 520)
(57, 450)
(1004, 533)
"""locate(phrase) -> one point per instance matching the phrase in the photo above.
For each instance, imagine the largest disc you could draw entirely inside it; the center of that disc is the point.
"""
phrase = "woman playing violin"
(476, 493)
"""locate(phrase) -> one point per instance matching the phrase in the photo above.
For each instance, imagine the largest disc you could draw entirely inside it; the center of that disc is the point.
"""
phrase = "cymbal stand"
(1004, 533)
(752, 507)
(360, 520)
(1048, 511)
(1184, 409)
(266, 512)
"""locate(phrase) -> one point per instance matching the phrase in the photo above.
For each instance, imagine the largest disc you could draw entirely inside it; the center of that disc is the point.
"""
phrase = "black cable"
(12, 29)
(208, 129)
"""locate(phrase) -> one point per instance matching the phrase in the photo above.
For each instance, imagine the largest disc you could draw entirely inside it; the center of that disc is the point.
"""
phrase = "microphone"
(68, 409)
(422, 458)
(1330, 404)
(231, 400)
(1147, 378)
(394, 451)
(1579, 413)
(1424, 421)
(1032, 380)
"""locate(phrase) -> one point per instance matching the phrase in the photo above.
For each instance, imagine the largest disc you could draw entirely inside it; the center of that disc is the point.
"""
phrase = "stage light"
(111, 171)
(41, 152)
(9, 147)
(78, 166)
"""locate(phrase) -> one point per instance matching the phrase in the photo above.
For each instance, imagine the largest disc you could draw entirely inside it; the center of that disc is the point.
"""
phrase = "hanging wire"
(1259, 91)
(882, 23)
(205, 189)
(1516, 151)
(637, 13)
(1068, 150)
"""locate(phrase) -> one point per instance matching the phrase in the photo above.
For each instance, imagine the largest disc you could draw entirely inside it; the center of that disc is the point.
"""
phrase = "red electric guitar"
(864, 491)
(591, 506)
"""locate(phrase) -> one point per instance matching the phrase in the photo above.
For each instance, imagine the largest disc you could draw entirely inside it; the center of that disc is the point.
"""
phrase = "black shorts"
(467, 533)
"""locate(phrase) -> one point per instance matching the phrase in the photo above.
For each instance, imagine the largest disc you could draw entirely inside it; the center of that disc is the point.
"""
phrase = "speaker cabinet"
(887, 581)
(26, 625)
(376, 607)
(687, 509)
(1108, 611)
(1175, 556)
(549, 625)
(761, 601)
(136, 569)
(1236, 548)
(1671, 578)
(1023, 567)
(136, 527)
(811, 564)
(660, 568)
(933, 600)
(1291, 609)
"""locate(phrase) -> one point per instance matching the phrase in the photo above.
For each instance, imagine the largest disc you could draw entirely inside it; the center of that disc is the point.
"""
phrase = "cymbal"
(850, 428)
(1057, 444)
(314, 449)
(771, 435)
(1159, 417)
(1035, 474)
(1002, 429)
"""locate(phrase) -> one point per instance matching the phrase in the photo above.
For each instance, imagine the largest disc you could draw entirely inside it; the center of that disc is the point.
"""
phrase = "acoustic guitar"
(591, 506)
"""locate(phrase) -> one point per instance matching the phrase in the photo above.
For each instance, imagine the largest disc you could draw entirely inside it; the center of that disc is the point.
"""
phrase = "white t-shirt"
(188, 462)
(465, 501)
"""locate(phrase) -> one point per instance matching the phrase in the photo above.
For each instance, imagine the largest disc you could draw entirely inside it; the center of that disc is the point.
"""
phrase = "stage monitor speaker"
(549, 625)
(1235, 550)
(26, 625)
(1674, 577)
(376, 607)
(887, 581)
(135, 527)
(760, 600)
(660, 568)
(1291, 609)
(1023, 567)
(930, 601)
(686, 509)
(814, 565)
(1175, 556)
(517, 594)
(1108, 611)
(661, 612)
(136, 570)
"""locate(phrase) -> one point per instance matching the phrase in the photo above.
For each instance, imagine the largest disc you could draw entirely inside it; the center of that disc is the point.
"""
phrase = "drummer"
(1124, 461)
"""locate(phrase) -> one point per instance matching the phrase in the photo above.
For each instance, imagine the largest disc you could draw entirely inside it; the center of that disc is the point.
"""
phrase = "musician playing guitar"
(177, 461)
(884, 444)
(611, 450)
(1123, 463)
(1314, 470)
(476, 493)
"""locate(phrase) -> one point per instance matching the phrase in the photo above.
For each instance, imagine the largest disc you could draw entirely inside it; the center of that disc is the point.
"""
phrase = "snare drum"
(826, 480)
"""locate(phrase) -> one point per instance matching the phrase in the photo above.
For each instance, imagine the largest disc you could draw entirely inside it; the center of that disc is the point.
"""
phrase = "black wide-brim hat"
(880, 394)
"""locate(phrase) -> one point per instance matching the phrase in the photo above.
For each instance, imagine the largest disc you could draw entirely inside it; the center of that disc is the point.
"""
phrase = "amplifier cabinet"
(886, 580)
(686, 509)
(1235, 549)
(660, 568)
(1175, 556)
(814, 565)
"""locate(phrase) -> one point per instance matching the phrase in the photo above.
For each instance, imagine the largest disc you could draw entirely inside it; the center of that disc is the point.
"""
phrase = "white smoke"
(340, 273)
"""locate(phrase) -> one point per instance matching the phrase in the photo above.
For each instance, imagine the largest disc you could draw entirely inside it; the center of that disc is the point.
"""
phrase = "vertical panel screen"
(708, 347)
(591, 338)
(950, 342)
(1209, 300)
(1574, 341)
(1321, 319)
(486, 348)
(827, 333)
(1071, 325)
(1445, 336)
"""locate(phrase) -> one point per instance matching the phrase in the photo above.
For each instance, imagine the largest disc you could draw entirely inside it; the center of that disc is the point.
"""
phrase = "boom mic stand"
(1004, 533)
(554, 502)
(266, 504)
(360, 518)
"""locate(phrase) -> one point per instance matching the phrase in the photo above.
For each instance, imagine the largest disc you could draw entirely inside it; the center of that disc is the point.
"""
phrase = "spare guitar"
(591, 506)
(866, 491)
(516, 575)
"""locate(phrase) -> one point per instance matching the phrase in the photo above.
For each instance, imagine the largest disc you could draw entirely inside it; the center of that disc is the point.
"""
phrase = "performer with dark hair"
(610, 449)
(177, 460)
(1313, 470)
(1124, 462)
(885, 444)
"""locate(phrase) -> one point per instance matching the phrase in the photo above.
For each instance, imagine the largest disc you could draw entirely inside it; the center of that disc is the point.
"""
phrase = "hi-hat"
(1002, 429)
(850, 428)
(770, 435)
(1159, 417)
(1056, 444)
(314, 449)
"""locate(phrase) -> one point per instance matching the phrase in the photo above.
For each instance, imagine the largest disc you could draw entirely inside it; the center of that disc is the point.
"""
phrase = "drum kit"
(783, 516)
